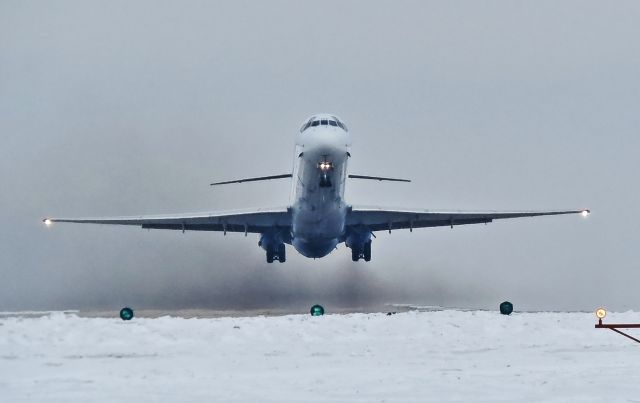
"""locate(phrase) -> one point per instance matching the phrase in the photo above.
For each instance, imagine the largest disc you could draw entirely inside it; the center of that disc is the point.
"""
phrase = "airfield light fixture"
(601, 313)
(506, 308)
(126, 313)
(317, 310)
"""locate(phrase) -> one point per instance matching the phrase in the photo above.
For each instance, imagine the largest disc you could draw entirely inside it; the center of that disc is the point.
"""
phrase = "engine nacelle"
(272, 240)
(357, 238)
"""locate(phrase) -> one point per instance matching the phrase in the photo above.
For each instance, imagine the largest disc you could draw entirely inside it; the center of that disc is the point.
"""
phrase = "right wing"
(381, 219)
(254, 221)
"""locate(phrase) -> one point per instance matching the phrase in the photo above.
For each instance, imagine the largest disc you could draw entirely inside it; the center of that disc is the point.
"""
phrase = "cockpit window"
(333, 121)
(340, 124)
(305, 126)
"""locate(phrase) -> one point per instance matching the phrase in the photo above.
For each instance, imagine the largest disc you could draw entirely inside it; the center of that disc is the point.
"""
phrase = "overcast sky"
(113, 108)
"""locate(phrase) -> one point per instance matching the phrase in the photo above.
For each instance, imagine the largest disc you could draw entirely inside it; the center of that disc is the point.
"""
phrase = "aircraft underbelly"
(321, 223)
(317, 234)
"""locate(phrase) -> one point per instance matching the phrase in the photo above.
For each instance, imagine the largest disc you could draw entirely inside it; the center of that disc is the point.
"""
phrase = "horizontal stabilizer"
(261, 178)
(378, 178)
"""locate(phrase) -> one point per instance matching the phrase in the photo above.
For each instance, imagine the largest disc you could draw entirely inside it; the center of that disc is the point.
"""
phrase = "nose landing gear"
(325, 181)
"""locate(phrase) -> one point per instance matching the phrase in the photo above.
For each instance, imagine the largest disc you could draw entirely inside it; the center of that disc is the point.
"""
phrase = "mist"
(114, 109)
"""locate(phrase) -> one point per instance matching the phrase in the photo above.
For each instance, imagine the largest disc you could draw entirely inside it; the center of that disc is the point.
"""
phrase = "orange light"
(601, 313)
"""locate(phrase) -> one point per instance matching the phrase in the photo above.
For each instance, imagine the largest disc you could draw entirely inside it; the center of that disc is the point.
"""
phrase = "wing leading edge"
(380, 219)
(254, 221)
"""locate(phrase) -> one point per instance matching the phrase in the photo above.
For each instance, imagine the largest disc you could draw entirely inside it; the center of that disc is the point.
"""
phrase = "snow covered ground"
(444, 356)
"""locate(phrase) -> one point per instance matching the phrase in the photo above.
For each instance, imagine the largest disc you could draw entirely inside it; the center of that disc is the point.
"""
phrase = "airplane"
(318, 217)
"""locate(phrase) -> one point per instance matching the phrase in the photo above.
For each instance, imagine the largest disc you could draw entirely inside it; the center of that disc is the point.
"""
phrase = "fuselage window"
(323, 122)
(333, 123)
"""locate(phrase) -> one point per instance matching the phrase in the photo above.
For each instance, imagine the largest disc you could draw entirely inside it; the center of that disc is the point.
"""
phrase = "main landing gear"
(273, 244)
(362, 252)
(279, 253)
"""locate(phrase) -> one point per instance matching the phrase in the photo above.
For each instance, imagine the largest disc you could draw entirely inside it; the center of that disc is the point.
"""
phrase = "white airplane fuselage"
(317, 193)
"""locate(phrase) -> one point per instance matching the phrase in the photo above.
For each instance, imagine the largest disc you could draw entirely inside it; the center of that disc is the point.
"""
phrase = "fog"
(113, 108)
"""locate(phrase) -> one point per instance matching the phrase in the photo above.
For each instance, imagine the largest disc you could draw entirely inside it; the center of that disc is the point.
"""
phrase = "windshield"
(314, 122)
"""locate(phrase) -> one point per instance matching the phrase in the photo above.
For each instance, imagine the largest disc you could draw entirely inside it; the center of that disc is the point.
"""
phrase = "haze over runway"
(125, 109)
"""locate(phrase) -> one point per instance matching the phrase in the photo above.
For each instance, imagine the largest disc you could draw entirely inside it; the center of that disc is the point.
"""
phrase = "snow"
(443, 356)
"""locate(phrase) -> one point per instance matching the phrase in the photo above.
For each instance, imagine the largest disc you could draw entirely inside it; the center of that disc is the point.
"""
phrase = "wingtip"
(47, 221)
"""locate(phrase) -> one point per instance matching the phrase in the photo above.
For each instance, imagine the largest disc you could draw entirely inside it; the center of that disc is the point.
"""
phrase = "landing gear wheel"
(282, 253)
(367, 251)
(269, 256)
(355, 254)
(325, 182)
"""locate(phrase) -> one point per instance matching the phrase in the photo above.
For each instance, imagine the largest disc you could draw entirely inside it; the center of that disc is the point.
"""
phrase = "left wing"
(254, 221)
(260, 178)
(380, 219)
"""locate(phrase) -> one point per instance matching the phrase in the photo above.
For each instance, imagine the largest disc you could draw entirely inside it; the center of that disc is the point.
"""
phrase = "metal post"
(616, 326)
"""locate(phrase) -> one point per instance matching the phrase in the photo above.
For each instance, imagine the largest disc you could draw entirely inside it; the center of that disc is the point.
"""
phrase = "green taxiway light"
(317, 310)
(126, 313)
(506, 308)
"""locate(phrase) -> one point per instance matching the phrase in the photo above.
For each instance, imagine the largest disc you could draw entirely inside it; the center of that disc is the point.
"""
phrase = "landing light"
(601, 313)
(47, 222)
(585, 213)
